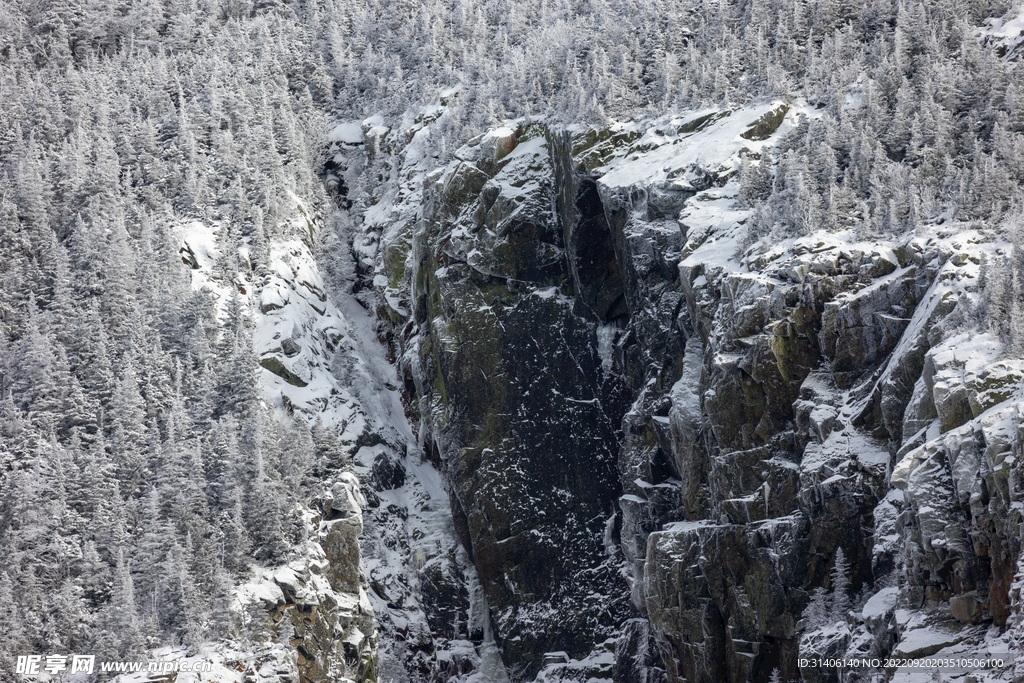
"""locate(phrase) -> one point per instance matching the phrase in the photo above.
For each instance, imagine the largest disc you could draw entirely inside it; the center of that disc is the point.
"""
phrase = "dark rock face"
(721, 595)
(545, 302)
(522, 411)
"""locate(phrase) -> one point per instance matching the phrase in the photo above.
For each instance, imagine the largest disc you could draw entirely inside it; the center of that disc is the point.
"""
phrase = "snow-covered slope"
(380, 588)
(312, 617)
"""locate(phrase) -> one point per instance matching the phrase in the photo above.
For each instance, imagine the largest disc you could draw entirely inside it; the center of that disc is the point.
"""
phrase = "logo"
(37, 665)
(33, 665)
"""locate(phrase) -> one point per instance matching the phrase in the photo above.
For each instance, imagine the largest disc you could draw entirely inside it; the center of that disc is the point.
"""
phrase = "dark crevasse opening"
(595, 264)
(333, 176)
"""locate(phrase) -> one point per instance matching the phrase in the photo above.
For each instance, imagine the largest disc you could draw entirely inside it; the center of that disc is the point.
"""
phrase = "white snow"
(1006, 32)
(881, 602)
(350, 133)
(721, 139)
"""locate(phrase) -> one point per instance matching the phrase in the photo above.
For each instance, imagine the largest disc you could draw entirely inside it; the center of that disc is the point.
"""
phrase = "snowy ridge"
(971, 362)
(967, 361)
(316, 353)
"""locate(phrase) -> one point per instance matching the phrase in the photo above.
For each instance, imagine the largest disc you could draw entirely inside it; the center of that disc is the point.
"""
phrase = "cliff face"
(522, 413)
(657, 435)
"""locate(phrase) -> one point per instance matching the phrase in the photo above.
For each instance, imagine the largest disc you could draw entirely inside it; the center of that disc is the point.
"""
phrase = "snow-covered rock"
(777, 402)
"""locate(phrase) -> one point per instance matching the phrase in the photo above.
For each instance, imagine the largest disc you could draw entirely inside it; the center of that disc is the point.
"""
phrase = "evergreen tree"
(840, 580)
(129, 435)
(816, 613)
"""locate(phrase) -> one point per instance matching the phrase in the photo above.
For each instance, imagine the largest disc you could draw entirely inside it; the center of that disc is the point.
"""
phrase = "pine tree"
(237, 387)
(36, 358)
(91, 357)
(1017, 329)
(757, 178)
(118, 302)
(78, 410)
(237, 546)
(129, 436)
(150, 554)
(13, 637)
(840, 580)
(123, 616)
(265, 512)
(816, 614)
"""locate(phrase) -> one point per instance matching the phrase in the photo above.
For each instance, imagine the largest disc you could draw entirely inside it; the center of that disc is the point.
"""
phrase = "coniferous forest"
(144, 475)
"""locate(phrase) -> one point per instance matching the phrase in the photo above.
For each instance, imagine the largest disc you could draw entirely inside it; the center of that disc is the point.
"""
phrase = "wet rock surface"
(523, 416)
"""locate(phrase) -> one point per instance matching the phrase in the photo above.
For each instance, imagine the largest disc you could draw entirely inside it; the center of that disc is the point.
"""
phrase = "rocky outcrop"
(317, 604)
(657, 433)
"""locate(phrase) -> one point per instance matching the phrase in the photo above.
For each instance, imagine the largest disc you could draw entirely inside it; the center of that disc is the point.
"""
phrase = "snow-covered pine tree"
(816, 614)
(840, 584)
